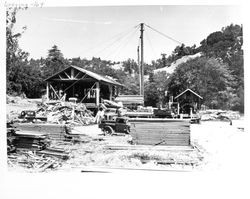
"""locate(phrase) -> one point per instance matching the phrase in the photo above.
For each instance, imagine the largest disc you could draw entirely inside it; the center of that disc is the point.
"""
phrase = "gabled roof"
(187, 91)
(89, 73)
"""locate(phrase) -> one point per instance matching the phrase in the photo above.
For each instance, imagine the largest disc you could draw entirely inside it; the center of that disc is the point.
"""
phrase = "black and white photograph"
(129, 89)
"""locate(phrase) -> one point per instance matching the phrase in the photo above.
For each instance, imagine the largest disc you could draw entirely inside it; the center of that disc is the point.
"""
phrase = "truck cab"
(115, 125)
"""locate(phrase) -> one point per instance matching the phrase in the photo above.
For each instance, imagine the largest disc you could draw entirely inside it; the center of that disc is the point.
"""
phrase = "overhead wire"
(117, 36)
(118, 51)
(163, 34)
(150, 44)
(119, 39)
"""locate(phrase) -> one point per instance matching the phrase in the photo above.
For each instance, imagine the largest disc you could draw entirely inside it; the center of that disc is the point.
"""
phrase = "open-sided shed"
(86, 86)
(188, 101)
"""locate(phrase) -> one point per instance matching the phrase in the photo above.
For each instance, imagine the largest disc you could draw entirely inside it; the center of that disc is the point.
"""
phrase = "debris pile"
(31, 150)
(30, 161)
(219, 115)
(65, 113)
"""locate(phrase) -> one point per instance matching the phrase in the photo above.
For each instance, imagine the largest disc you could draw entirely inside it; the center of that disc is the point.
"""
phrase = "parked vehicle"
(115, 125)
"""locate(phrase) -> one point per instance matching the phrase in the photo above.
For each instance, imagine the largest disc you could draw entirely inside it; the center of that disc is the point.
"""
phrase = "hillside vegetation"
(217, 75)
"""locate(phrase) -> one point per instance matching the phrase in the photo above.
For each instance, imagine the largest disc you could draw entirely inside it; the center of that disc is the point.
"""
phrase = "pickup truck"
(116, 125)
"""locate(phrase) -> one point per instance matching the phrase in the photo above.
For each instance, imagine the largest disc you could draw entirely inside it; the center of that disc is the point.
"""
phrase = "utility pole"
(139, 68)
(142, 67)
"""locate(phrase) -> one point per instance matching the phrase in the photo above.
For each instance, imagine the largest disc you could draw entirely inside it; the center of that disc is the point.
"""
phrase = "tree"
(227, 46)
(54, 62)
(155, 89)
(131, 84)
(209, 77)
(130, 66)
(16, 58)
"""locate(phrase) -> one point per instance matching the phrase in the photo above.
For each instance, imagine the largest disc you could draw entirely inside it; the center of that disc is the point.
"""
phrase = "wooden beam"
(78, 74)
(110, 92)
(97, 93)
(60, 77)
(67, 75)
(72, 72)
(47, 90)
(88, 92)
(54, 91)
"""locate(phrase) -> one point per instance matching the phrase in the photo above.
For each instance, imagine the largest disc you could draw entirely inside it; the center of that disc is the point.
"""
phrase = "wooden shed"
(188, 102)
(85, 86)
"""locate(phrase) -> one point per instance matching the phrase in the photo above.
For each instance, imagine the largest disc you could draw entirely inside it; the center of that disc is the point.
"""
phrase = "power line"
(164, 34)
(117, 36)
(125, 43)
(150, 44)
(115, 41)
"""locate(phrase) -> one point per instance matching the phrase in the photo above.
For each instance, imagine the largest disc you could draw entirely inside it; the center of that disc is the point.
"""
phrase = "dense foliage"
(218, 75)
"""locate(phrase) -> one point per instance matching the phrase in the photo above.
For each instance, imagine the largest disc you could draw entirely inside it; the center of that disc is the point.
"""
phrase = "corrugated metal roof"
(89, 73)
(190, 91)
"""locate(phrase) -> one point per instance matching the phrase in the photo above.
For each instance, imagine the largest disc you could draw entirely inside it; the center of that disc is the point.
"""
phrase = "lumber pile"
(32, 150)
(26, 140)
(169, 132)
(54, 131)
(65, 113)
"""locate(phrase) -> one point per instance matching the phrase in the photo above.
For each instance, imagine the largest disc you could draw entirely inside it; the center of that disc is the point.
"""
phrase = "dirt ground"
(216, 146)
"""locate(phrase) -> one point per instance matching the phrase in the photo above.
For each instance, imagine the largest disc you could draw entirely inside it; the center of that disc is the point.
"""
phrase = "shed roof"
(89, 73)
(187, 91)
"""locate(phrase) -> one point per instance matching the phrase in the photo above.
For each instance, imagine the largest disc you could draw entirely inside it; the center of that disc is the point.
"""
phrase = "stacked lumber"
(54, 152)
(129, 99)
(54, 131)
(27, 140)
(66, 113)
(169, 132)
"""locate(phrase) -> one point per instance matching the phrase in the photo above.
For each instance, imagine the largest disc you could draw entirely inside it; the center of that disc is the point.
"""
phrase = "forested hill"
(217, 75)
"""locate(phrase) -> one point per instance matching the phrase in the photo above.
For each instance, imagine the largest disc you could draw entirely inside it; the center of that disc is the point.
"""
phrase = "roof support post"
(97, 93)
(178, 108)
(47, 90)
(110, 92)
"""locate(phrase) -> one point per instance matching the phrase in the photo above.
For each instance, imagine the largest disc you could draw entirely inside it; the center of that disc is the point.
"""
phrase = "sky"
(112, 32)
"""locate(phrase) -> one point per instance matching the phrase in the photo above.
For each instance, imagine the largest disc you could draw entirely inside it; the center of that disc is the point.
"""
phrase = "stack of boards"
(54, 131)
(30, 141)
(168, 132)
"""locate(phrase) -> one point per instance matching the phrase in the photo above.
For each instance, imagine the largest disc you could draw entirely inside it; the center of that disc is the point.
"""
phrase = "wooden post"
(47, 90)
(97, 93)
(110, 92)
(72, 73)
(178, 108)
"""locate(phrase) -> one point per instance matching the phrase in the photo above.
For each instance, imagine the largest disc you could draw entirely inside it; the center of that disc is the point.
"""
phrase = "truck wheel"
(108, 130)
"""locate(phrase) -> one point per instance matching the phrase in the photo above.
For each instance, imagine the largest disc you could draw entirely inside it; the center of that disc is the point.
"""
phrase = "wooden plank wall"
(168, 132)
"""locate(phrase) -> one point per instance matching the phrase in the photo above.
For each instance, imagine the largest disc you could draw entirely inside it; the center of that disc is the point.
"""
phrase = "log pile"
(65, 113)
(169, 132)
